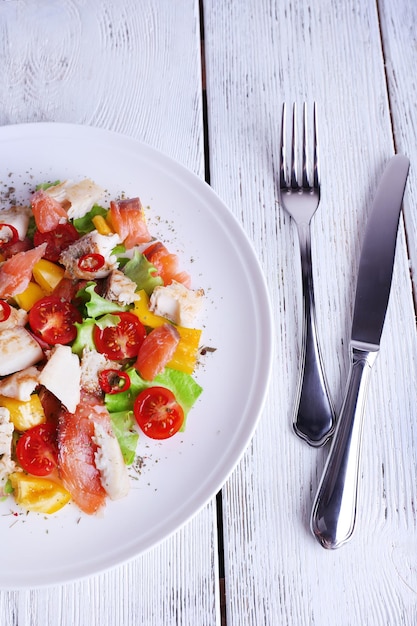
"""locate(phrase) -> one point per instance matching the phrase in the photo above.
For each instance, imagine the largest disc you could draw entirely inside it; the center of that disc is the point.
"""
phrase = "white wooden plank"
(397, 25)
(132, 66)
(117, 65)
(258, 54)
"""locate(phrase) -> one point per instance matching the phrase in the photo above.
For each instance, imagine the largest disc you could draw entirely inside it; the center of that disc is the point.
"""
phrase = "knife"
(334, 509)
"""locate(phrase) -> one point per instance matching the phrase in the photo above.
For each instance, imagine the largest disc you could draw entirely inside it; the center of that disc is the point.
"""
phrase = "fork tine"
(305, 159)
(294, 183)
(305, 162)
(283, 149)
(316, 173)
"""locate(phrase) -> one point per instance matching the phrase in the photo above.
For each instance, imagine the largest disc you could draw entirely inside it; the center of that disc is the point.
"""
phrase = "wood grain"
(400, 57)
(131, 67)
(330, 52)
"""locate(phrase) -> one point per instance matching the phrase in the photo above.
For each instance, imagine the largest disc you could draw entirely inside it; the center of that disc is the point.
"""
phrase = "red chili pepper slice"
(5, 310)
(109, 381)
(91, 262)
(8, 234)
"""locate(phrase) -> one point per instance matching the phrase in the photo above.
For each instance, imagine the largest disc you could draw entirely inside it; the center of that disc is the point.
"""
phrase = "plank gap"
(219, 498)
(220, 548)
(204, 96)
(384, 65)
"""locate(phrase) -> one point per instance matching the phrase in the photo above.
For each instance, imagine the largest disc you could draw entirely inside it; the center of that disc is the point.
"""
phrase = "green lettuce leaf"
(31, 227)
(127, 436)
(107, 320)
(47, 185)
(84, 338)
(183, 386)
(142, 273)
(95, 305)
(85, 224)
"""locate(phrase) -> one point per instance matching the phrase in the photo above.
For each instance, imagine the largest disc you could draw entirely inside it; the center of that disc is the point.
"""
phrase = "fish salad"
(98, 344)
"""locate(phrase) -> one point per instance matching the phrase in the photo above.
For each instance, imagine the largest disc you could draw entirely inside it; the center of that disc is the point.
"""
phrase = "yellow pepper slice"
(102, 225)
(186, 353)
(38, 494)
(141, 309)
(29, 296)
(24, 413)
(48, 275)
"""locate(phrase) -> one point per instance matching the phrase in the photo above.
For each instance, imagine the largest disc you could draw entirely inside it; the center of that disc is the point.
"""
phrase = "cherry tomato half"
(53, 320)
(37, 450)
(113, 381)
(121, 341)
(158, 413)
(56, 240)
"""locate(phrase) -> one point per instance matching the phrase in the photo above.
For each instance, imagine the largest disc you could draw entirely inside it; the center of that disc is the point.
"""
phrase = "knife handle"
(334, 509)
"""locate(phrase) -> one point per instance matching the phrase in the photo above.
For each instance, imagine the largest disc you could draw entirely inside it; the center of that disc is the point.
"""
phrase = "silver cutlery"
(314, 415)
(334, 509)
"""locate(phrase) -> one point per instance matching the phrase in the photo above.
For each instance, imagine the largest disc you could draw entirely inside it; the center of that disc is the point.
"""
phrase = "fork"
(314, 415)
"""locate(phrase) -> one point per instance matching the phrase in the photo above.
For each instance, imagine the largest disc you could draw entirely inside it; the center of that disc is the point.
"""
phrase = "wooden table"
(204, 82)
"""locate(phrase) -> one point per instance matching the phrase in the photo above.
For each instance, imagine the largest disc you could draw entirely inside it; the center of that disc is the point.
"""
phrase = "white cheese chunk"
(177, 303)
(109, 462)
(7, 465)
(61, 376)
(20, 385)
(77, 198)
(18, 350)
(17, 216)
(120, 288)
(92, 363)
(91, 243)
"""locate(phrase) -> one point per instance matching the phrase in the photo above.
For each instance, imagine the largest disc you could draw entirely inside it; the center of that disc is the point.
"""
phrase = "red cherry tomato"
(53, 320)
(37, 450)
(158, 413)
(113, 381)
(56, 240)
(91, 262)
(10, 249)
(121, 341)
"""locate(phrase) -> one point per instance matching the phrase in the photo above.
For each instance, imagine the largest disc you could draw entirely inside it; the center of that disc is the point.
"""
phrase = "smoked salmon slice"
(16, 272)
(166, 264)
(128, 221)
(47, 211)
(76, 453)
(156, 351)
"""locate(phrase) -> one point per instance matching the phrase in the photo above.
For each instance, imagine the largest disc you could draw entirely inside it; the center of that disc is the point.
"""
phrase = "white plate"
(179, 475)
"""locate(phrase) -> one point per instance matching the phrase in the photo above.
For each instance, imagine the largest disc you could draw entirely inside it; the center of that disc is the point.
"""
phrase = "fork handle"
(314, 412)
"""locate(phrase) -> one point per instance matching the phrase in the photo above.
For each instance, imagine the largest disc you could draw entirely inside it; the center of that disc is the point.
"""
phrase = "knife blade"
(334, 509)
